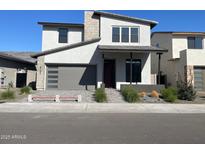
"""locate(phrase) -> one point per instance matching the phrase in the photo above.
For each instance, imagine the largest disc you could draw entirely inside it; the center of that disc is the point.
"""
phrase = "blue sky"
(19, 30)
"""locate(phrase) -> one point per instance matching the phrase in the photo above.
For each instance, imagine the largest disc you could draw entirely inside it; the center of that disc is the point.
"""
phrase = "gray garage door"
(199, 78)
(72, 77)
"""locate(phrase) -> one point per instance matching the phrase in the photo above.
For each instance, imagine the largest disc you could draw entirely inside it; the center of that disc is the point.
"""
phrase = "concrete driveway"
(100, 108)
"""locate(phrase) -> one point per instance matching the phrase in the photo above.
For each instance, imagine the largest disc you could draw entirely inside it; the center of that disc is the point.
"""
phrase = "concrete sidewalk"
(100, 108)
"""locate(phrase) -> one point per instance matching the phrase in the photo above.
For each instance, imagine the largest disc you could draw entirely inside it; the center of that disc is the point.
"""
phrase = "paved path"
(101, 108)
(101, 128)
(114, 96)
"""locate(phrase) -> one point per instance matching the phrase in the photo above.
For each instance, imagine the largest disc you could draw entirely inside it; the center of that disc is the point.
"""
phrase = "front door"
(21, 80)
(109, 73)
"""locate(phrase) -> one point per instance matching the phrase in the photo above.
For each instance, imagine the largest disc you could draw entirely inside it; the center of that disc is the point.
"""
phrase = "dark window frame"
(135, 77)
(192, 42)
(62, 36)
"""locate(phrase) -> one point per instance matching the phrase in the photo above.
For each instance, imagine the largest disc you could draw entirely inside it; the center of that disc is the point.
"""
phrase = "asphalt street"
(102, 128)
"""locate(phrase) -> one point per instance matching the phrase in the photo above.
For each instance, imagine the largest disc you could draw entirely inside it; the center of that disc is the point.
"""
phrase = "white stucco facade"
(180, 44)
(106, 25)
(90, 54)
(50, 36)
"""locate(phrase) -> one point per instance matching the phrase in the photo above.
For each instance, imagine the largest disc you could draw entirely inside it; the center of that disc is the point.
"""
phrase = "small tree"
(185, 89)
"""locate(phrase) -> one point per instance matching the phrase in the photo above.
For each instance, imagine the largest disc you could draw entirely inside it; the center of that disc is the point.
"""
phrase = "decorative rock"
(155, 94)
(142, 94)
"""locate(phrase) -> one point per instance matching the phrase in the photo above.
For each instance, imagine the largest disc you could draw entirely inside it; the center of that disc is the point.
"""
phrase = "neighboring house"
(17, 68)
(185, 58)
(102, 50)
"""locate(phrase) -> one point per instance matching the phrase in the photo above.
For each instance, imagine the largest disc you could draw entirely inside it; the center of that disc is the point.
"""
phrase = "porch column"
(159, 68)
(103, 58)
(130, 68)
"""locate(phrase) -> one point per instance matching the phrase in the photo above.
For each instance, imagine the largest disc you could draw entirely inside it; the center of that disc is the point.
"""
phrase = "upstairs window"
(115, 34)
(63, 35)
(134, 34)
(195, 42)
(125, 35)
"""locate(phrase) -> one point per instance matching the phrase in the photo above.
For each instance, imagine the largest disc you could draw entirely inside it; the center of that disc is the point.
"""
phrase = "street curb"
(100, 108)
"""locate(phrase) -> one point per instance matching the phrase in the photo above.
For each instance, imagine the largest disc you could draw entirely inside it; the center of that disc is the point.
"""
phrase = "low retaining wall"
(146, 88)
(56, 98)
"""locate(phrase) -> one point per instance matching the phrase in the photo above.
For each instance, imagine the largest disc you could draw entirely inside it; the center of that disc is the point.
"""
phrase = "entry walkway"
(114, 96)
(100, 108)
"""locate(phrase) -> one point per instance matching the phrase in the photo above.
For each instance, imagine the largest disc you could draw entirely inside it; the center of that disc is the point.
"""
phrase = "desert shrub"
(8, 94)
(32, 85)
(155, 94)
(186, 91)
(130, 94)
(169, 94)
(25, 90)
(100, 95)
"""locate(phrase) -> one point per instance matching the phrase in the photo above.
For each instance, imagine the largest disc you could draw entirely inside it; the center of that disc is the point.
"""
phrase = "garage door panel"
(199, 78)
(77, 77)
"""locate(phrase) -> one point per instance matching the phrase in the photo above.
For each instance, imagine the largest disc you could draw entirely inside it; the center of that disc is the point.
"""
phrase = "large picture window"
(136, 70)
(63, 35)
(195, 43)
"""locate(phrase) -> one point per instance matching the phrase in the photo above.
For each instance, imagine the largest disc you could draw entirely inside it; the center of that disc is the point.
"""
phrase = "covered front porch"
(124, 65)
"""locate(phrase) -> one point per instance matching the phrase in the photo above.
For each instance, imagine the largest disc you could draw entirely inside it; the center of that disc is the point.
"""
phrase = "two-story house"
(108, 48)
(184, 59)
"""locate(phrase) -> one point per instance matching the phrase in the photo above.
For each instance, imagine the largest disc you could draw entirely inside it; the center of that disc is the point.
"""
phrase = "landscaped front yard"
(14, 94)
(129, 94)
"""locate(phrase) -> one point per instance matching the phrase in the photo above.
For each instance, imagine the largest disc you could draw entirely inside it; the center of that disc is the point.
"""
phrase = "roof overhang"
(67, 47)
(127, 49)
(189, 33)
(126, 18)
(181, 33)
(53, 24)
(15, 59)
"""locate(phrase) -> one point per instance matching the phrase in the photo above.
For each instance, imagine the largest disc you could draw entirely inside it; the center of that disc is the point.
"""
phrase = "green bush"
(25, 90)
(169, 94)
(8, 94)
(100, 95)
(186, 91)
(130, 94)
